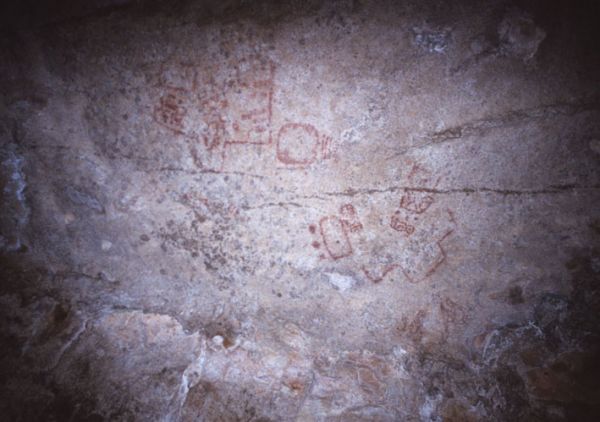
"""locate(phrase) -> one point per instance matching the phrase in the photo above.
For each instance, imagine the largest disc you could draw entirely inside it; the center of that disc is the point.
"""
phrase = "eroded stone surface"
(334, 211)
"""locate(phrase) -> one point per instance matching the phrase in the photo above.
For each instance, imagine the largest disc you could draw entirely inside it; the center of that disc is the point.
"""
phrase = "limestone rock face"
(299, 211)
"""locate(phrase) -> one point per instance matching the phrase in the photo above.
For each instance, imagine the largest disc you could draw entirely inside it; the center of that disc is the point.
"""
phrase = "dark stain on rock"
(56, 323)
(514, 402)
(595, 226)
(515, 295)
(227, 342)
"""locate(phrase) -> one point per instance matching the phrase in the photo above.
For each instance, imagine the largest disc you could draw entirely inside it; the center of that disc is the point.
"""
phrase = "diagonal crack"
(481, 126)
(273, 204)
(552, 189)
(67, 345)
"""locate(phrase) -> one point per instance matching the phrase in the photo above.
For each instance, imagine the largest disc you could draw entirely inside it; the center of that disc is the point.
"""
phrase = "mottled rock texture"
(300, 211)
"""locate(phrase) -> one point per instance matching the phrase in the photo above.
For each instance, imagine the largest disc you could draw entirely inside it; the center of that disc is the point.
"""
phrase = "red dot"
(316, 245)
(312, 228)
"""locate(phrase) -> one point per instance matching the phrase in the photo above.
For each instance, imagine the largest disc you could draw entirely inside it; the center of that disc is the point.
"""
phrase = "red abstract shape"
(401, 225)
(170, 110)
(415, 276)
(297, 144)
(377, 278)
(416, 203)
(335, 237)
(350, 218)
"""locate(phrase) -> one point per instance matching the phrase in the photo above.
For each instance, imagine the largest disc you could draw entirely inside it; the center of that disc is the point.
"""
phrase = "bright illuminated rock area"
(299, 211)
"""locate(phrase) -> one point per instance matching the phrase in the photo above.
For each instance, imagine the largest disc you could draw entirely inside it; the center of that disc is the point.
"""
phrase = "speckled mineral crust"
(310, 211)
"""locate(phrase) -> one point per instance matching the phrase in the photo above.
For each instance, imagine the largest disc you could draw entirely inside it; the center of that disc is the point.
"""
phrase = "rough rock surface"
(310, 211)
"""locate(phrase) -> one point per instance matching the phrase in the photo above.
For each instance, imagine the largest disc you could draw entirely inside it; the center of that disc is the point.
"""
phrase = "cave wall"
(310, 211)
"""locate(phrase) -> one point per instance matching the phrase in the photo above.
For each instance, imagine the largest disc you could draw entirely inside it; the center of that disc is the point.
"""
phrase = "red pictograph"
(335, 237)
(400, 225)
(350, 218)
(416, 202)
(297, 144)
(415, 241)
(219, 110)
(335, 232)
(171, 110)
(428, 263)
(376, 278)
